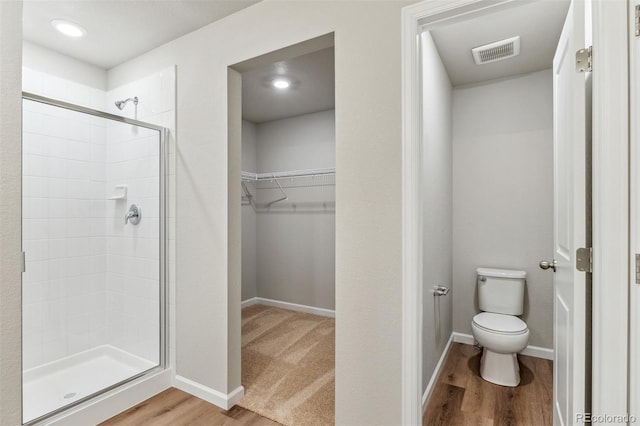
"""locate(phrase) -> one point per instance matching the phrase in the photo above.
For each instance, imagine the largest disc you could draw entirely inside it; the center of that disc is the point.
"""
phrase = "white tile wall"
(92, 280)
(54, 87)
(132, 159)
(133, 250)
(64, 285)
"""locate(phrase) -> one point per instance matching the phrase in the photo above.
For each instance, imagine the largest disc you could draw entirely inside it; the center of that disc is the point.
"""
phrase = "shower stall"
(94, 243)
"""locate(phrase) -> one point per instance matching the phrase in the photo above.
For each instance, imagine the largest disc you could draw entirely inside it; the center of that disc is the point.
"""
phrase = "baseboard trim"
(538, 352)
(436, 373)
(534, 351)
(249, 302)
(291, 306)
(466, 339)
(224, 401)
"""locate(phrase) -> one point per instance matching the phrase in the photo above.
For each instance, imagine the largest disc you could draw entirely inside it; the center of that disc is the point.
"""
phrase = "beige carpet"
(288, 365)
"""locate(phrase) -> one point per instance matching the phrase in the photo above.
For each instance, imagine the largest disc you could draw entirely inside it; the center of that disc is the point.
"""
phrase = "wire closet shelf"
(280, 181)
(308, 173)
(291, 179)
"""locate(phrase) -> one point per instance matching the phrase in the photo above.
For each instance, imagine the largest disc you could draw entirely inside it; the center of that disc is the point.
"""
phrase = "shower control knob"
(544, 264)
(134, 215)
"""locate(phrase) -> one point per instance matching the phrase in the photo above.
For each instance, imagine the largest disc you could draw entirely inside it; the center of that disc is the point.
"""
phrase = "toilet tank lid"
(501, 273)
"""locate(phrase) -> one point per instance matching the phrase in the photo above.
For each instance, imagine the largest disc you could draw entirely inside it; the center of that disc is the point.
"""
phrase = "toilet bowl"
(498, 330)
(502, 337)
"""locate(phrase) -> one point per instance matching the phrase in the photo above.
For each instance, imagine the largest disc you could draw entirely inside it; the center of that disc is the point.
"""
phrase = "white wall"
(437, 169)
(295, 259)
(249, 147)
(36, 57)
(41, 82)
(249, 232)
(368, 197)
(10, 212)
(503, 193)
(302, 142)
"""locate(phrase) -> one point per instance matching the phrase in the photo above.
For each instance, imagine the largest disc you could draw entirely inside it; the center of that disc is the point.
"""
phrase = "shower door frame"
(163, 233)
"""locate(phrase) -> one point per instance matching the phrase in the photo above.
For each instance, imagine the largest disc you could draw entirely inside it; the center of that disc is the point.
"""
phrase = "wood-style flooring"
(462, 397)
(174, 407)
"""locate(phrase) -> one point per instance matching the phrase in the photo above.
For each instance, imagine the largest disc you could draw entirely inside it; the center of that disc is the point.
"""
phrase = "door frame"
(634, 289)
(610, 145)
(610, 200)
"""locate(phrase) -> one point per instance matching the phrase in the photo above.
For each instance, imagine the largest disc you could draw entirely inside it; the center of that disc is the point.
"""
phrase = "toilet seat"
(500, 323)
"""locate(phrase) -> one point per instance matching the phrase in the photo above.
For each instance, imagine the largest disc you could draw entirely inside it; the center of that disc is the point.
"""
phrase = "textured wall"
(503, 193)
(368, 195)
(301, 142)
(437, 207)
(10, 212)
(296, 240)
(249, 236)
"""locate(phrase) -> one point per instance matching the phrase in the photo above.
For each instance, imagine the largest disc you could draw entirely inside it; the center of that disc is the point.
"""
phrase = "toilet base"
(501, 369)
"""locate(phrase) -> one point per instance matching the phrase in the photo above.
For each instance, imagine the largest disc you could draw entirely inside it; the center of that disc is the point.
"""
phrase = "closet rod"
(284, 194)
(288, 174)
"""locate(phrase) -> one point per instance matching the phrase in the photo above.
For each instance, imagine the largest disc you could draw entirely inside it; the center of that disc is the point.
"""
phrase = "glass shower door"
(93, 287)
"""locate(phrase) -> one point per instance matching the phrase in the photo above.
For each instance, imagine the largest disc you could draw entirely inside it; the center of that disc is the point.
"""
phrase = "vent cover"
(496, 51)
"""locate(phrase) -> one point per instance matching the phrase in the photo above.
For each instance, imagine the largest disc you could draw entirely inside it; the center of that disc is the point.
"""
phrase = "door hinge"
(584, 259)
(637, 20)
(637, 268)
(584, 60)
(24, 262)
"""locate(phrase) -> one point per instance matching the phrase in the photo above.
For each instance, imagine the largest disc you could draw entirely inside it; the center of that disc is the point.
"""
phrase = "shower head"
(121, 104)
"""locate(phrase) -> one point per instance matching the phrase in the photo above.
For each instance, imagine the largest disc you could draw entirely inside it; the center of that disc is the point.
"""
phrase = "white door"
(569, 221)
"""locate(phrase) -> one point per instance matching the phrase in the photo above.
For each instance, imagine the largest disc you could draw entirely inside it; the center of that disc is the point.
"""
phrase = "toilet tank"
(501, 290)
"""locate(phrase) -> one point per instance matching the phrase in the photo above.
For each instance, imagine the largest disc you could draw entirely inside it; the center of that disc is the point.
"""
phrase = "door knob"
(548, 265)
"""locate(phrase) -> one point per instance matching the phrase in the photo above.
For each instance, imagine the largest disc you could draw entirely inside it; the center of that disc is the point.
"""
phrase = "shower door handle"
(134, 215)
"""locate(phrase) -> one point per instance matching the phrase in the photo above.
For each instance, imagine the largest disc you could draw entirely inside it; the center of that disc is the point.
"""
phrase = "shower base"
(51, 386)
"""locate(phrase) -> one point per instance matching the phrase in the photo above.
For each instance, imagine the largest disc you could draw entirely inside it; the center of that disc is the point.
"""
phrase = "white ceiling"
(312, 90)
(118, 30)
(537, 23)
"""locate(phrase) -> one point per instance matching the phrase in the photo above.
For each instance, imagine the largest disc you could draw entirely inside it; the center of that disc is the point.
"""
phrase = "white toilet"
(497, 328)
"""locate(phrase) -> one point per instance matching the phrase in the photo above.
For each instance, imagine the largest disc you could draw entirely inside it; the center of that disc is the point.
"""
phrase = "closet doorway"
(287, 185)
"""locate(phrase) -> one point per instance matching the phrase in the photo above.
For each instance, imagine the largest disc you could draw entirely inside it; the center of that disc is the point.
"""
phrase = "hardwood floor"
(174, 407)
(462, 397)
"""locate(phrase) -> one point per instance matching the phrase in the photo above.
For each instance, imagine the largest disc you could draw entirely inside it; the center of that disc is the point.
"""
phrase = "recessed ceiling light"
(281, 83)
(68, 28)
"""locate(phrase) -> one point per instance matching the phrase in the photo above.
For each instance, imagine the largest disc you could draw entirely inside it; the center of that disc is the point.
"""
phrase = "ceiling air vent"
(496, 51)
